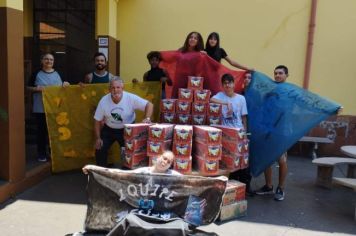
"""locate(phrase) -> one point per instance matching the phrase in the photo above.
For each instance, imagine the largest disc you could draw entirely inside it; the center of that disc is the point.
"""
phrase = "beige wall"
(106, 17)
(15, 4)
(28, 18)
(257, 33)
(251, 31)
(333, 71)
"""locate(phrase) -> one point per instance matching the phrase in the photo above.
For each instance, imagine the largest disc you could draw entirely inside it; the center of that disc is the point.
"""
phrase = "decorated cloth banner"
(70, 122)
(112, 194)
(279, 114)
(181, 65)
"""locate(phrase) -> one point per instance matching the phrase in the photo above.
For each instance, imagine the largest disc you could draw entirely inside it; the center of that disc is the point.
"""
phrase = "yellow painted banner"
(70, 112)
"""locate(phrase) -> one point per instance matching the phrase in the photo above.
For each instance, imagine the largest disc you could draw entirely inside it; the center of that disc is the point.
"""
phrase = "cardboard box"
(168, 105)
(214, 109)
(183, 133)
(199, 108)
(246, 145)
(136, 146)
(231, 163)
(202, 95)
(207, 134)
(184, 119)
(198, 119)
(133, 161)
(231, 134)
(205, 150)
(185, 94)
(235, 191)
(233, 211)
(182, 150)
(183, 107)
(167, 117)
(207, 166)
(156, 148)
(214, 120)
(160, 132)
(183, 165)
(195, 82)
(234, 148)
(244, 161)
(136, 131)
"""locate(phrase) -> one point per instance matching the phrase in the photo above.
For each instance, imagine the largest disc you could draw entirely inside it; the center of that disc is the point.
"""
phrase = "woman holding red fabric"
(213, 49)
(193, 43)
(188, 61)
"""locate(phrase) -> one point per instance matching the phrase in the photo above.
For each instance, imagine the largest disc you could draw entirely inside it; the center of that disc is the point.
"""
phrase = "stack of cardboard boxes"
(235, 148)
(234, 204)
(207, 149)
(192, 106)
(159, 140)
(182, 148)
(135, 136)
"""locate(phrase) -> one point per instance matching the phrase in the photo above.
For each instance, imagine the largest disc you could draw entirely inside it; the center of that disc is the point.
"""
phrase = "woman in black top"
(213, 49)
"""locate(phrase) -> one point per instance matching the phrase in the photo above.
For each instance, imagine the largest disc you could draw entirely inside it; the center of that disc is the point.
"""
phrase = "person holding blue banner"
(280, 76)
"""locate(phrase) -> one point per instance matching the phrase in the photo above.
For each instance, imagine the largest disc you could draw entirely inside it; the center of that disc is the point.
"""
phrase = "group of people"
(117, 108)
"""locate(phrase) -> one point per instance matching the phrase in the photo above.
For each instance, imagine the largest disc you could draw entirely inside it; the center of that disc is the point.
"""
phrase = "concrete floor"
(57, 206)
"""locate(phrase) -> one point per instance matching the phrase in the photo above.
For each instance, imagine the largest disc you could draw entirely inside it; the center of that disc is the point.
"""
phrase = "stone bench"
(326, 167)
(347, 182)
(315, 141)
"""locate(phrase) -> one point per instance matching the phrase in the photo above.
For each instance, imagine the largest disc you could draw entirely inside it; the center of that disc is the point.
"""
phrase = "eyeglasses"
(228, 83)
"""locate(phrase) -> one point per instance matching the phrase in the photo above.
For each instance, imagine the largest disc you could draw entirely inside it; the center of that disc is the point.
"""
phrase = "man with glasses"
(234, 109)
(234, 114)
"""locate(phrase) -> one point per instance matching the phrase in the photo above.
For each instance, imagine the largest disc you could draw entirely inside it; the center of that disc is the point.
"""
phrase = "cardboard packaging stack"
(200, 100)
(182, 148)
(234, 204)
(214, 113)
(192, 106)
(168, 108)
(159, 140)
(235, 148)
(207, 149)
(135, 136)
(200, 106)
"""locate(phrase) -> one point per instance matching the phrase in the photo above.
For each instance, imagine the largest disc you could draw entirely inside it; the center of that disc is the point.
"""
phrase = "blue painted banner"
(279, 115)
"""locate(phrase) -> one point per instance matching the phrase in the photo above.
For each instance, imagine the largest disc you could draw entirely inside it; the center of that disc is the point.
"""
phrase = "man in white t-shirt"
(116, 109)
(234, 110)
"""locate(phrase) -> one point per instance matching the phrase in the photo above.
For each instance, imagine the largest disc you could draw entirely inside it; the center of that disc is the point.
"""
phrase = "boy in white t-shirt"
(116, 109)
(234, 114)
(234, 109)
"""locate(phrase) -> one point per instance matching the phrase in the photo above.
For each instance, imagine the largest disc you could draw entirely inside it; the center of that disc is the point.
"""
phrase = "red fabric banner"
(181, 65)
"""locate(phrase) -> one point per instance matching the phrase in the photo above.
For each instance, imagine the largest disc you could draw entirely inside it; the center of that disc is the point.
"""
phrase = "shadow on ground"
(305, 206)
